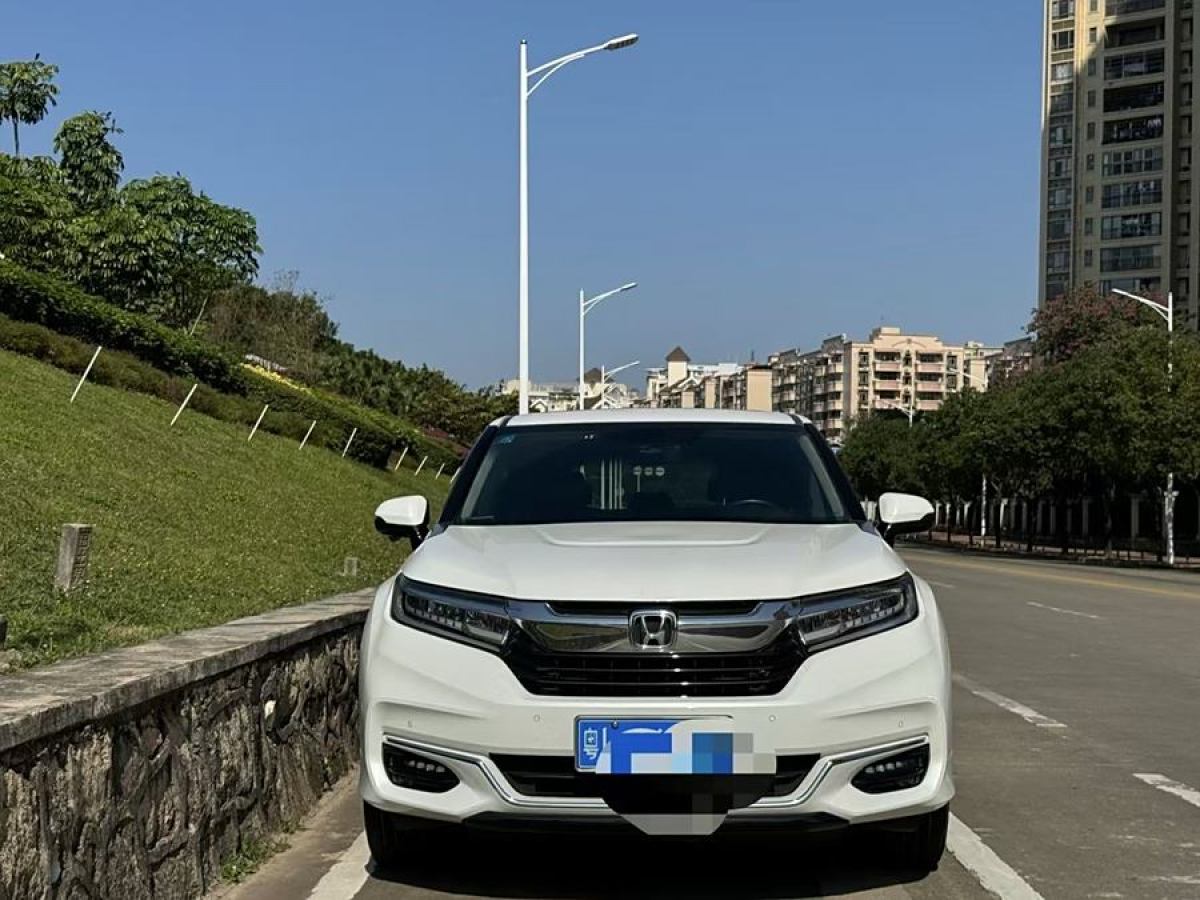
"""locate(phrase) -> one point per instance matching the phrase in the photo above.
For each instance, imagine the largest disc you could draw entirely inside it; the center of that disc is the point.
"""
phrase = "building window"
(1144, 128)
(1126, 259)
(1091, 131)
(1185, 159)
(1093, 5)
(1092, 66)
(1092, 35)
(1185, 224)
(1185, 193)
(1185, 126)
(1062, 9)
(1058, 226)
(1131, 193)
(1062, 40)
(1062, 103)
(1133, 225)
(1089, 194)
(1185, 61)
(1132, 162)
(1087, 259)
(1134, 64)
(1060, 167)
(1140, 96)
(1185, 93)
(1063, 71)
(1087, 226)
(1058, 261)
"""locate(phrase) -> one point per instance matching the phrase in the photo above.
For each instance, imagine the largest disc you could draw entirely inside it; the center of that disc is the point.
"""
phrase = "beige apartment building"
(1117, 143)
(910, 373)
(682, 384)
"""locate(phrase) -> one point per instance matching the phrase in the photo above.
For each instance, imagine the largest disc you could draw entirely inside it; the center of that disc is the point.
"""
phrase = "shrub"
(41, 299)
(291, 410)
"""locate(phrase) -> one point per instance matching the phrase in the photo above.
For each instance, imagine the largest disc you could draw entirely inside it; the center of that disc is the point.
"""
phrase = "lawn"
(194, 525)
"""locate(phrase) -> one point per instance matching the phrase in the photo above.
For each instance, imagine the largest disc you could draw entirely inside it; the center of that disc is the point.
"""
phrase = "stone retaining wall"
(137, 773)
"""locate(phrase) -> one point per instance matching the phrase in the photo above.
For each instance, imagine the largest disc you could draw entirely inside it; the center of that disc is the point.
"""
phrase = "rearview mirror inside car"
(403, 517)
(903, 514)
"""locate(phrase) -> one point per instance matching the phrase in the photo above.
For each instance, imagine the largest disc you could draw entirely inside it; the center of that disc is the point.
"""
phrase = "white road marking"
(1163, 783)
(1032, 716)
(989, 869)
(1065, 612)
(347, 876)
(940, 584)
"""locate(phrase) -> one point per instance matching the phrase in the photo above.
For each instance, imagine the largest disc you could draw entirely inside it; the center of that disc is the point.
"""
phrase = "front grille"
(555, 776)
(756, 673)
(681, 607)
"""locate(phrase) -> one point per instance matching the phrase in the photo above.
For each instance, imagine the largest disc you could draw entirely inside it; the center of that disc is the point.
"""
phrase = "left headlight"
(470, 618)
(854, 614)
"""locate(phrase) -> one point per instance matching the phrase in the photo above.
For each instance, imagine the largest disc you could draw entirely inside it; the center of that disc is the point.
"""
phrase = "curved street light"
(585, 307)
(526, 91)
(1167, 312)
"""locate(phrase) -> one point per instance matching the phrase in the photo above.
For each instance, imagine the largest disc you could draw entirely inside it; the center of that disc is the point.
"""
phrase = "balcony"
(931, 367)
(1131, 7)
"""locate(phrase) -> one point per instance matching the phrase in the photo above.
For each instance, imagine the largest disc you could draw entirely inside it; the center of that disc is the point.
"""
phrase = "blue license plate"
(695, 746)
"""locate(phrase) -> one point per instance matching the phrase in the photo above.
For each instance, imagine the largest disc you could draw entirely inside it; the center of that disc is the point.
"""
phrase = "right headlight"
(850, 615)
(470, 618)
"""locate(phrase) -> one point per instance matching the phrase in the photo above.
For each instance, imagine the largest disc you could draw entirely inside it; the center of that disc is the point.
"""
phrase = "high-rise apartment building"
(1118, 193)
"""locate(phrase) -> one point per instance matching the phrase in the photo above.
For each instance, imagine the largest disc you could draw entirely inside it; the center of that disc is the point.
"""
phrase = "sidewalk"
(1122, 558)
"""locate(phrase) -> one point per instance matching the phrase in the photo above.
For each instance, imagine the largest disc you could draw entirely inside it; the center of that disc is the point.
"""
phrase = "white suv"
(674, 620)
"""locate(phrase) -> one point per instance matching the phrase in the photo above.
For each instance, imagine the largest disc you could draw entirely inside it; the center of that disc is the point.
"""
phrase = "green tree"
(90, 162)
(27, 91)
(35, 212)
(1081, 318)
(883, 453)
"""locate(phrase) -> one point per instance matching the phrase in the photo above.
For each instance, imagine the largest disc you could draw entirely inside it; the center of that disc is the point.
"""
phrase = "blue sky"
(770, 171)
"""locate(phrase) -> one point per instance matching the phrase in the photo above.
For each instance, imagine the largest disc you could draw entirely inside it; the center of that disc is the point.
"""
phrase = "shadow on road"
(541, 866)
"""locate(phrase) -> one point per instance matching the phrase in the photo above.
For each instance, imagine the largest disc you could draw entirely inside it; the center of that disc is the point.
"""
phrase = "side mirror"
(903, 514)
(403, 517)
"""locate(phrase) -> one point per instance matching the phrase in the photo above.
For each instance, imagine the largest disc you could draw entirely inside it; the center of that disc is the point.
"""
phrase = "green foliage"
(290, 328)
(33, 297)
(882, 454)
(90, 163)
(194, 525)
(35, 212)
(27, 91)
(1083, 317)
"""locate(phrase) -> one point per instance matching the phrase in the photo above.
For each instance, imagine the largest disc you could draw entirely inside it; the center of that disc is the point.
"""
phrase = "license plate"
(694, 746)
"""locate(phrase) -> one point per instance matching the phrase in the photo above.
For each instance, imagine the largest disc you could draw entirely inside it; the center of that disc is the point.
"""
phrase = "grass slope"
(193, 524)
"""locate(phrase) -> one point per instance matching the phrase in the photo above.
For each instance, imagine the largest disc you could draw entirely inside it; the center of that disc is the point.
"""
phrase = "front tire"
(921, 849)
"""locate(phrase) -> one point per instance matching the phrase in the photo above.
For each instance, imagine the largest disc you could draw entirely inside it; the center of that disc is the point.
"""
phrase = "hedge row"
(292, 409)
(33, 297)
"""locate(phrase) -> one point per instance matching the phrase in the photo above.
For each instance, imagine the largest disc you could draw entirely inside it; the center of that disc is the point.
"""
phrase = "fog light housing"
(893, 773)
(416, 772)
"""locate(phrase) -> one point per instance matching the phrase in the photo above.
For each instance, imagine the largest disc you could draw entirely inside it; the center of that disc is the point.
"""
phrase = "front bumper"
(850, 706)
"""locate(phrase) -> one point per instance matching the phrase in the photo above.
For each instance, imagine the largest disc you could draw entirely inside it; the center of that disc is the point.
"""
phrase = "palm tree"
(27, 90)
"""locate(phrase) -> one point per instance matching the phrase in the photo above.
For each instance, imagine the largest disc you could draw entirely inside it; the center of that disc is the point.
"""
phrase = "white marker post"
(441, 468)
(308, 433)
(83, 377)
(421, 466)
(403, 454)
(349, 441)
(183, 405)
(258, 421)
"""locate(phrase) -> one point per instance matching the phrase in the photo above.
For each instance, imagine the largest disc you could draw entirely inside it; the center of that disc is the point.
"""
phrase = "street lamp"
(585, 307)
(1167, 312)
(606, 380)
(526, 91)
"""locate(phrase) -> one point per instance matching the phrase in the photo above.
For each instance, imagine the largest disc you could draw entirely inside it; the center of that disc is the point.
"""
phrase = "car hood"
(653, 560)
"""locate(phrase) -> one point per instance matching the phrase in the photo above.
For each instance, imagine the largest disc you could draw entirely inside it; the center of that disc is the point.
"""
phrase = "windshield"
(624, 472)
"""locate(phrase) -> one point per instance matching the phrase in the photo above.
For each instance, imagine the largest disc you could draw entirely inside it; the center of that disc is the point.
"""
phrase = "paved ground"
(1077, 762)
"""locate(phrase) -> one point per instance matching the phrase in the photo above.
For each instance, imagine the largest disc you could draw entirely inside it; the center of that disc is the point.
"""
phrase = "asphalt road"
(1077, 762)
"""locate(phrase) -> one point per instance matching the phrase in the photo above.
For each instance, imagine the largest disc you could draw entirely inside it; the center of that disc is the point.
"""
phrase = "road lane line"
(1163, 783)
(1128, 585)
(1032, 716)
(940, 584)
(347, 876)
(1065, 612)
(989, 870)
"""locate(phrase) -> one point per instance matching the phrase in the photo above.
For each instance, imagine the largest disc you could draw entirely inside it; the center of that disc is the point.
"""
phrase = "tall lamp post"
(1167, 312)
(909, 411)
(983, 503)
(525, 91)
(585, 307)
